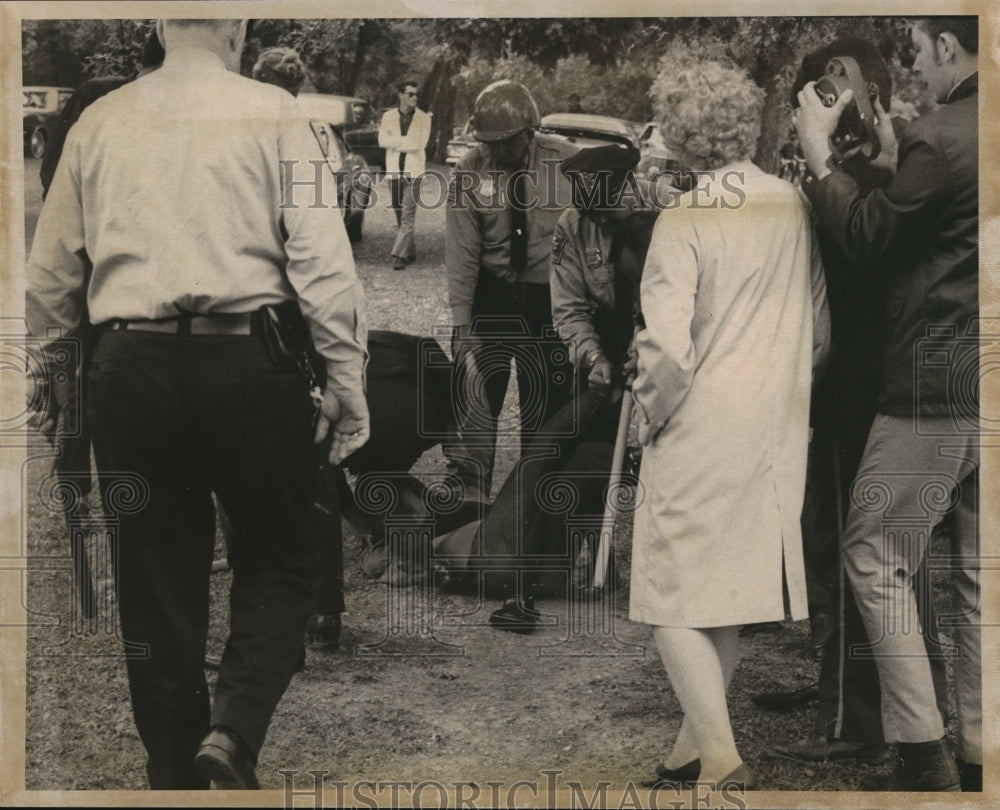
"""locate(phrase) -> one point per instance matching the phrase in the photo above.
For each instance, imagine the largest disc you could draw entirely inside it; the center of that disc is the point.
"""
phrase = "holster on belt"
(286, 336)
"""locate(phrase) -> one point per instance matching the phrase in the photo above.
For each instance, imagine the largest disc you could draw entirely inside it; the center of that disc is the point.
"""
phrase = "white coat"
(736, 317)
(413, 143)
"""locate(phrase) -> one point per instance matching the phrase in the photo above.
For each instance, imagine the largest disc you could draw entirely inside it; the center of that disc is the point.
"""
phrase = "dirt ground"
(421, 687)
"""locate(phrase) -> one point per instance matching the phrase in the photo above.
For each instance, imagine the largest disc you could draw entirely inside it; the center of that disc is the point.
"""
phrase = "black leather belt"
(194, 324)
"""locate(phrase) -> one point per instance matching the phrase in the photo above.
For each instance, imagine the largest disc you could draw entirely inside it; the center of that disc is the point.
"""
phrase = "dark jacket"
(921, 235)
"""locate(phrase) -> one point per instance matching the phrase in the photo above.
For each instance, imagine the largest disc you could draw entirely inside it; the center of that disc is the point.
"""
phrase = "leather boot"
(924, 767)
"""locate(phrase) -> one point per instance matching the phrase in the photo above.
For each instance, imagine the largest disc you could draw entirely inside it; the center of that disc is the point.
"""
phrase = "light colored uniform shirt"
(171, 189)
(478, 219)
(582, 279)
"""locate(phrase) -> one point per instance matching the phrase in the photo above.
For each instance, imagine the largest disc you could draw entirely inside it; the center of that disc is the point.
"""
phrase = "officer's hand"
(600, 373)
(349, 416)
(889, 153)
(815, 124)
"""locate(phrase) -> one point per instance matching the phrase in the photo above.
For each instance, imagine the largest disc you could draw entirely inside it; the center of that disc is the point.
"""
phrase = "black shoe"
(682, 778)
(786, 701)
(323, 630)
(921, 767)
(970, 776)
(516, 616)
(821, 749)
(225, 760)
(398, 263)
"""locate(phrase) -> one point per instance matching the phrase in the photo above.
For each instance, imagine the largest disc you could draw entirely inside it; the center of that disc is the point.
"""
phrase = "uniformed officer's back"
(164, 224)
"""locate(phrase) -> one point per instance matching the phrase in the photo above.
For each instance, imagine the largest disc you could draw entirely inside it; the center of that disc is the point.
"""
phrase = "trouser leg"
(967, 666)
(259, 424)
(149, 462)
(396, 197)
(404, 246)
(897, 501)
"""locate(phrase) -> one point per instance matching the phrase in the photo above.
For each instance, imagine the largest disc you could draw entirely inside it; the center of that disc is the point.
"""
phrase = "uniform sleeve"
(893, 222)
(572, 310)
(58, 265)
(666, 348)
(321, 269)
(463, 248)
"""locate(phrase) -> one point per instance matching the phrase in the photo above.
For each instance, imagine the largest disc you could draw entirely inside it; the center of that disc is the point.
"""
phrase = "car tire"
(355, 226)
(36, 145)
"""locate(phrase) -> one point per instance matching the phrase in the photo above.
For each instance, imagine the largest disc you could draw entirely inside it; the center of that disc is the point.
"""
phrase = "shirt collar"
(193, 59)
(967, 87)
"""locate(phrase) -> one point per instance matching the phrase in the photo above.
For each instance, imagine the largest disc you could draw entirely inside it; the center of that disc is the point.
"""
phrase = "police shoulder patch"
(558, 246)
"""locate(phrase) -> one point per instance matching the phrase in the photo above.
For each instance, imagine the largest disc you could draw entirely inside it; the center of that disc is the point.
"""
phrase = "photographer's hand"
(889, 153)
(815, 123)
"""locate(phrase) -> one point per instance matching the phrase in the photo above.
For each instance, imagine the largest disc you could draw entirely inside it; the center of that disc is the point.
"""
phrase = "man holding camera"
(919, 234)
(194, 279)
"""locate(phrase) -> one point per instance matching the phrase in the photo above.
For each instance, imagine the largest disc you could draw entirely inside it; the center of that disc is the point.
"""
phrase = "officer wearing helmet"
(505, 198)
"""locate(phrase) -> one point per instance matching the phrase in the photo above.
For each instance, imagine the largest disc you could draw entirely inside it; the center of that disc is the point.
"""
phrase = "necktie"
(518, 196)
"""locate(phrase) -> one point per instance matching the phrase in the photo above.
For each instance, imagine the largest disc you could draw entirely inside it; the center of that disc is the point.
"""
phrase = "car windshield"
(363, 112)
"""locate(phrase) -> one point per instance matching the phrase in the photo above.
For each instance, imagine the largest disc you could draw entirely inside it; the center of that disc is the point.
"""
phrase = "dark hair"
(965, 30)
(401, 87)
(152, 52)
(865, 53)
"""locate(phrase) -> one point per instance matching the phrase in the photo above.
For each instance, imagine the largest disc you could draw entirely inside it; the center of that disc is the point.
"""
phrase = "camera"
(856, 128)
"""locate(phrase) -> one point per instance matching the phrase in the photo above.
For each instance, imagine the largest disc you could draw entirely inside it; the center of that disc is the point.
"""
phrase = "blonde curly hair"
(709, 112)
(280, 66)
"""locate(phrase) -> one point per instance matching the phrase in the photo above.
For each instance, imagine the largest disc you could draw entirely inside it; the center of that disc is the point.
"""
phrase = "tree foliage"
(611, 63)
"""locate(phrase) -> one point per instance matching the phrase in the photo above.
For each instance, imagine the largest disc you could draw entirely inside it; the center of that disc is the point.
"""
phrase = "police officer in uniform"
(196, 260)
(597, 253)
(505, 198)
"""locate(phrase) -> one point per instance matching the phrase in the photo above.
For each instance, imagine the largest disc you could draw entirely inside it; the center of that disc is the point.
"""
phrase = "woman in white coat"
(736, 318)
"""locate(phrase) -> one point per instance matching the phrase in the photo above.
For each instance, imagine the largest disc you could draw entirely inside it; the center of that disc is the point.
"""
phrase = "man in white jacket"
(403, 134)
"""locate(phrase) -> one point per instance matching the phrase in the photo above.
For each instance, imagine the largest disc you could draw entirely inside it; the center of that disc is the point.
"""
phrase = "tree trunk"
(766, 77)
(367, 34)
(438, 93)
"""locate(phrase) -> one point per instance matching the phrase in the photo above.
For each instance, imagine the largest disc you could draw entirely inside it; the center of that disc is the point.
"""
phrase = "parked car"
(41, 106)
(354, 178)
(354, 117)
(585, 130)
(655, 158)
(460, 143)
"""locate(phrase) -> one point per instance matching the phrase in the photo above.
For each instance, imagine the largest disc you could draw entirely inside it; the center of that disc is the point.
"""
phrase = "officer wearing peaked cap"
(593, 279)
(505, 198)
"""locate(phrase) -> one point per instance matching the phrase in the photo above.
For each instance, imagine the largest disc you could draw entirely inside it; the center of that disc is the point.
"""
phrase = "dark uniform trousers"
(194, 415)
(514, 322)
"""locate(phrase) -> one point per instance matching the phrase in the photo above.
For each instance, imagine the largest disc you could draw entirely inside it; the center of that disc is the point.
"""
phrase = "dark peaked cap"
(615, 157)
